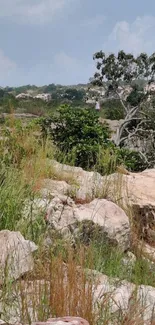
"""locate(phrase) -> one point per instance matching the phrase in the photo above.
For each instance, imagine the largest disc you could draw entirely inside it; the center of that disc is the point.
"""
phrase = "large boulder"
(15, 255)
(135, 192)
(65, 216)
(127, 187)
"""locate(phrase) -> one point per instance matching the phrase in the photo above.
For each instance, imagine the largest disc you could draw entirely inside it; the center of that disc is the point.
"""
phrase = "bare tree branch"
(132, 134)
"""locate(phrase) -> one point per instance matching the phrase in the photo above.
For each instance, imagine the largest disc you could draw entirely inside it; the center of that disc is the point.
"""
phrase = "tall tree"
(121, 76)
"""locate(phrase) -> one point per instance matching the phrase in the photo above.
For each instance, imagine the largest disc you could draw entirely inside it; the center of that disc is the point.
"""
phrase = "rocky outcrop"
(63, 215)
(15, 255)
(134, 192)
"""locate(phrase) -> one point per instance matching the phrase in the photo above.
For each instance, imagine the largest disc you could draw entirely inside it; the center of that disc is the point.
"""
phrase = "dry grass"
(56, 288)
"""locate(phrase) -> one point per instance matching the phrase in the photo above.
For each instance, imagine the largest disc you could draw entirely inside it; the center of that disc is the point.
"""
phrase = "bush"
(112, 110)
(78, 135)
(112, 156)
(131, 159)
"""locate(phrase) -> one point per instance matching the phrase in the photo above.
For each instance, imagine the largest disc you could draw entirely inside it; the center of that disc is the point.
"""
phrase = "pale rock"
(124, 296)
(88, 185)
(69, 320)
(54, 188)
(15, 255)
(111, 219)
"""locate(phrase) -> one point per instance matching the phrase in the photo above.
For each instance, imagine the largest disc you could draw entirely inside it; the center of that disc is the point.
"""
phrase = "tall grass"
(13, 193)
(59, 287)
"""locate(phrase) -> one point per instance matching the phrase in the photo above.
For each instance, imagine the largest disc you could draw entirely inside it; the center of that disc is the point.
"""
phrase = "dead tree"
(121, 75)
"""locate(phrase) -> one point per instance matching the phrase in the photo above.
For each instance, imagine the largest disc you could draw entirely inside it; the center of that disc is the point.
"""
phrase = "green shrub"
(112, 110)
(78, 135)
(111, 157)
(131, 159)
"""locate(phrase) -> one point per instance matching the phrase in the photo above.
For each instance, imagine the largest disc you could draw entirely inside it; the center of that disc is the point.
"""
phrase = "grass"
(59, 285)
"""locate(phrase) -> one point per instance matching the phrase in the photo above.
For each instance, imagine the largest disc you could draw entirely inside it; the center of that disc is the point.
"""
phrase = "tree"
(112, 109)
(77, 133)
(74, 94)
(50, 88)
(124, 71)
(2, 93)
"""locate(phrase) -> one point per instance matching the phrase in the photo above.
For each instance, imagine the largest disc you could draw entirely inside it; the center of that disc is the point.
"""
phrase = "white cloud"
(65, 61)
(70, 70)
(6, 66)
(94, 22)
(32, 11)
(134, 37)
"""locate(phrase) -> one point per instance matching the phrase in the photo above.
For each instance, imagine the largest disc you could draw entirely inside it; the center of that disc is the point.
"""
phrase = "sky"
(53, 41)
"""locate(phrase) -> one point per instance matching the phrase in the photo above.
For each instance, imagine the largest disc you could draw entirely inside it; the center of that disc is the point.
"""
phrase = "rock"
(86, 185)
(146, 250)
(64, 320)
(54, 188)
(112, 220)
(126, 298)
(60, 213)
(134, 192)
(133, 188)
(15, 255)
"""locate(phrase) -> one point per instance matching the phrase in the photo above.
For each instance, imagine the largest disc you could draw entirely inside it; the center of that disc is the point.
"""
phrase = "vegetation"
(112, 110)
(123, 71)
(84, 141)
(61, 269)
(78, 134)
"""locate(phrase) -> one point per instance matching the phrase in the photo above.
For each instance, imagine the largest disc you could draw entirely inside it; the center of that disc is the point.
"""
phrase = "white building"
(23, 96)
(45, 97)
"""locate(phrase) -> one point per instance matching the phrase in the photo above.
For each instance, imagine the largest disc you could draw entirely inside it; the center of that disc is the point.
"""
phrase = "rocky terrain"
(120, 207)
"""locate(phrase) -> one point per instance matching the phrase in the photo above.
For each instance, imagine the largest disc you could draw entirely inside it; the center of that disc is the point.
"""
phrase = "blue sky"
(53, 41)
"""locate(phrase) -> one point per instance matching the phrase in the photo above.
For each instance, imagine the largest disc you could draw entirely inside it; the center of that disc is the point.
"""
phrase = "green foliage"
(2, 92)
(123, 68)
(111, 157)
(131, 159)
(108, 260)
(8, 103)
(32, 106)
(74, 94)
(77, 133)
(13, 193)
(136, 96)
(23, 89)
(18, 141)
(112, 109)
(50, 88)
